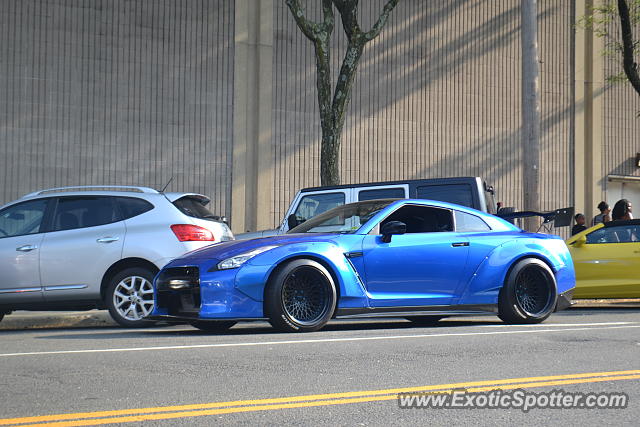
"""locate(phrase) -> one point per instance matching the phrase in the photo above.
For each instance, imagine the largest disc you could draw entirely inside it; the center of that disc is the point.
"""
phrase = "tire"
(529, 294)
(129, 297)
(300, 297)
(213, 325)
(424, 320)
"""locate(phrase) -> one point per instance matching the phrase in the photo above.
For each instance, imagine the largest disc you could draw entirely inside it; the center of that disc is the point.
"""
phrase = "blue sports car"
(418, 259)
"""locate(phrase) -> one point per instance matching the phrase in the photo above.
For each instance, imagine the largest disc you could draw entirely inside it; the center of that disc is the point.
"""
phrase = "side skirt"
(431, 310)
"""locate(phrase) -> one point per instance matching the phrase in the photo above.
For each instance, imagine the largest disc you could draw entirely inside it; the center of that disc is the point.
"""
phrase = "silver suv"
(97, 247)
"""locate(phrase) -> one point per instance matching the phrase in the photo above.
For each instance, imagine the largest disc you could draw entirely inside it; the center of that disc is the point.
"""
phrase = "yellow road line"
(197, 410)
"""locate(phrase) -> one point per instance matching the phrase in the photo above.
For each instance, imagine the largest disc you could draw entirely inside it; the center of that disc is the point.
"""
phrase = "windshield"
(343, 219)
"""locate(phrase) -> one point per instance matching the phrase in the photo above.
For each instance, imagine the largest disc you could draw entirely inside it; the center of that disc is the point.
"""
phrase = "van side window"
(315, 204)
(467, 223)
(381, 193)
(460, 194)
(422, 219)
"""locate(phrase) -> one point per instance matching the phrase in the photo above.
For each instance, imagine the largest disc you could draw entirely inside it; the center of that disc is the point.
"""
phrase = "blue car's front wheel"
(300, 296)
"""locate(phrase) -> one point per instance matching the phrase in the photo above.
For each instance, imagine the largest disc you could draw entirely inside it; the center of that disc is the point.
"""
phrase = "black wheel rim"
(533, 291)
(305, 295)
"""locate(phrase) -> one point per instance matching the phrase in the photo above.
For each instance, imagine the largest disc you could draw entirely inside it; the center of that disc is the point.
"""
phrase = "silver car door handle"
(108, 239)
(26, 248)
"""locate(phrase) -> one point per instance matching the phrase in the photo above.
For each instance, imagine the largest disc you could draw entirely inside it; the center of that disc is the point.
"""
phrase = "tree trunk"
(331, 135)
(333, 111)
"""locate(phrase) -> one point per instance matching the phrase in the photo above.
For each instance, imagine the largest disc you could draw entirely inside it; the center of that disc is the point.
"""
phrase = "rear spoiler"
(559, 217)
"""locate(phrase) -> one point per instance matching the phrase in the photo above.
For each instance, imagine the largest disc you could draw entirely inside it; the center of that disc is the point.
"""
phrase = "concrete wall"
(220, 94)
(117, 92)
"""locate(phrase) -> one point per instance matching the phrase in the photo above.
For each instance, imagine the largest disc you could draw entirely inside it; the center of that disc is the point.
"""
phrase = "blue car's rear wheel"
(529, 294)
(300, 297)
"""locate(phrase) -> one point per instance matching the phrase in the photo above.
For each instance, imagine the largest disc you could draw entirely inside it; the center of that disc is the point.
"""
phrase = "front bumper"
(182, 295)
(564, 300)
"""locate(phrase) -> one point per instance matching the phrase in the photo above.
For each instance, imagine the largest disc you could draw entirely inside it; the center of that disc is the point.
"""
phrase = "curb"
(56, 319)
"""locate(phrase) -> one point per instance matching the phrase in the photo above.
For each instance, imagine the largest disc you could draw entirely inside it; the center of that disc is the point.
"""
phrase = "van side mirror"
(292, 221)
(581, 241)
(391, 228)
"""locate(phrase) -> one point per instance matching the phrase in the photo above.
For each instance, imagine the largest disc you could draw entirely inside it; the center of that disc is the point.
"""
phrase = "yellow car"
(606, 258)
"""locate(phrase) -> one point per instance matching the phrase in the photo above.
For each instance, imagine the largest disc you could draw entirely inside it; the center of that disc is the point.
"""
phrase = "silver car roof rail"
(123, 188)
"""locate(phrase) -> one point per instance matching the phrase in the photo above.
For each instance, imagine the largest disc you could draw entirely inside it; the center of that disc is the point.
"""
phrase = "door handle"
(26, 248)
(108, 239)
(457, 244)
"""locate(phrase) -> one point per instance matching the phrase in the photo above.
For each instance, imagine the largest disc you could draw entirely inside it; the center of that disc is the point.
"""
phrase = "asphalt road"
(348, 374)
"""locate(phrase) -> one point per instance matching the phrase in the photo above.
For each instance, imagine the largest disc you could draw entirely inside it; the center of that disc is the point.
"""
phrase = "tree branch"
(382, 20)
(312, 30)
(628, 63)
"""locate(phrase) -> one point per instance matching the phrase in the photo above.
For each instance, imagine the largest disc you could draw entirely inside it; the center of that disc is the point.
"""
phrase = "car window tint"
(459, 194)
(192, 207)
(422, 219)
(315, 204)
(381, 193)
(132, 206)
(467, 223)
(23, 218)
(81, 212)
(619, 234)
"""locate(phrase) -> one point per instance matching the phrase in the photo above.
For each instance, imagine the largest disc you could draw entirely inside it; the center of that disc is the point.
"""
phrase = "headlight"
(238, 260)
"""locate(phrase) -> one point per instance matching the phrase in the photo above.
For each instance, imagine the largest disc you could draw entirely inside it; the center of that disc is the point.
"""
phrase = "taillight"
(192, 233)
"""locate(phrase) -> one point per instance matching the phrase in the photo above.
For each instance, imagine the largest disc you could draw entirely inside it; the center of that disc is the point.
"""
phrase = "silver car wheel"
(133, 298)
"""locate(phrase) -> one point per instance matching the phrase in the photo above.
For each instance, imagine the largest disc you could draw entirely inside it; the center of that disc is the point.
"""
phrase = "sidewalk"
(606, 303)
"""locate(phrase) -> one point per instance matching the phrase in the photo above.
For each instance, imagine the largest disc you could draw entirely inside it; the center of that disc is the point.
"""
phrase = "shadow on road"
(263, 328)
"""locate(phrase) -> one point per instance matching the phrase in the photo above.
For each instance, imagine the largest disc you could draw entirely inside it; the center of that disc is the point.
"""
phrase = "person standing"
(580, 220)
(622, 210)
(603, 216)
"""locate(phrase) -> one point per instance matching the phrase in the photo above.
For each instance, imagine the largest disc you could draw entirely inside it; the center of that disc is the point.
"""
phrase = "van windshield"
(343, 219)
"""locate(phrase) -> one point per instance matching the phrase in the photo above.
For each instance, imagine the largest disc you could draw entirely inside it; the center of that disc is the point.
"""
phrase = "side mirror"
(391, 228)
(292, 221)
(581, 241)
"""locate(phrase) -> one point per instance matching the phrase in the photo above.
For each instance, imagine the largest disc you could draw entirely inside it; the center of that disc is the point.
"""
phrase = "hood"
(224, 250)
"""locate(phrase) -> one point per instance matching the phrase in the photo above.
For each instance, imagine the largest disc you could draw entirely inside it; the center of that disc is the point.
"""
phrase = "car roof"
(108, 190)
(431, 181)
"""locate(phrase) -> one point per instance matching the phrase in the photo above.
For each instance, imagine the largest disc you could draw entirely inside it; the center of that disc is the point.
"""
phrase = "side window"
(23, 218)
(81, 212)
(381, 193)
(466, 223)
(620, 234)
(132, 206)
(315, 204)
(459, 194)
(422, 219)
